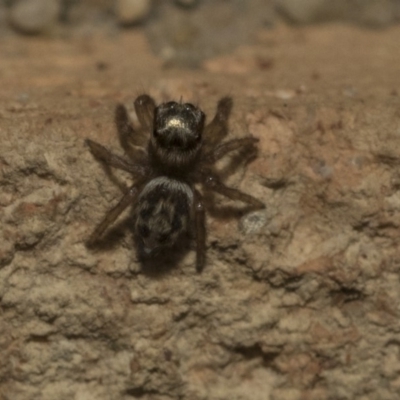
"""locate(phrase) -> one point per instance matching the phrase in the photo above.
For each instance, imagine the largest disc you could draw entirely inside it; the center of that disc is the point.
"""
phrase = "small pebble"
(253, 222)
(34, 16)
(302, 12)
(378, 13)
(132, 11)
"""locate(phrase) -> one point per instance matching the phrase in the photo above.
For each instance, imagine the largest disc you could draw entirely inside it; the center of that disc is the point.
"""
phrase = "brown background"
(300, 301)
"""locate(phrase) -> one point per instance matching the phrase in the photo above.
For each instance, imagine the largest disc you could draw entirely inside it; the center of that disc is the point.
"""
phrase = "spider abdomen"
(162, 213)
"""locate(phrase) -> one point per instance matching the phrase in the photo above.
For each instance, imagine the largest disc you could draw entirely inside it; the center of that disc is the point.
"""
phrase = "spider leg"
(212, 182)
(145, 107)
(200, 227)
(227, 147)
(113, 214)
(130, 139)
(104, 155)
(217, 129)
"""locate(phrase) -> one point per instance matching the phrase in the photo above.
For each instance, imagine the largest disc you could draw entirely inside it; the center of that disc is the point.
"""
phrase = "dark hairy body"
(180, 153)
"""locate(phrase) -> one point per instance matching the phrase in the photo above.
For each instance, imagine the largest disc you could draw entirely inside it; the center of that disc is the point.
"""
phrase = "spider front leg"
(130, 139)
(199, 216)
(113, 214)
(223, 149)
(211, 181)
(103, 154)
(145, 108)
(217, 129)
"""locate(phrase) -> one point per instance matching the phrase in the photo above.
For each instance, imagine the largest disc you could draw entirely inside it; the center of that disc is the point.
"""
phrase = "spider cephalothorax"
(181, 152)
(176, 138)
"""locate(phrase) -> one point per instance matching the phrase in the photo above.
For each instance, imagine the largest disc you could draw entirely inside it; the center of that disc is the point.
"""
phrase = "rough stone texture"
(300, 301)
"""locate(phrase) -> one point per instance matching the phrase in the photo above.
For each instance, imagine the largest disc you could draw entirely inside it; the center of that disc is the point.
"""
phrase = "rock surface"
(300, 301)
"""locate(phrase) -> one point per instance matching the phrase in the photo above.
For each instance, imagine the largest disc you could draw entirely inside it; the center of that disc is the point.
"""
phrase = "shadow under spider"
(165, 260)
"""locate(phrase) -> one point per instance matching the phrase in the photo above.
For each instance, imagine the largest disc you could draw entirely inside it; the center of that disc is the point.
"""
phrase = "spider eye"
(189, 107)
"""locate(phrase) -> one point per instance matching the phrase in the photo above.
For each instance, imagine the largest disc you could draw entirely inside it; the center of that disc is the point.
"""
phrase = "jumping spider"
(166, 201)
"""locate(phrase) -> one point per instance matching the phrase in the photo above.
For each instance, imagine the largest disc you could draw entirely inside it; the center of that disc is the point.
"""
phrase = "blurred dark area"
(185, 32)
